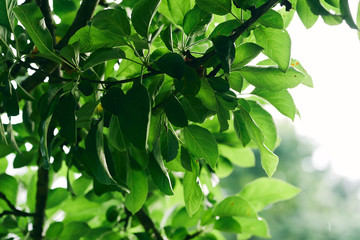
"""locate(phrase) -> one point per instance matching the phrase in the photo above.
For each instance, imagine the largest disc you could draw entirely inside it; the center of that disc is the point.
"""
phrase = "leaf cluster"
(144, 109)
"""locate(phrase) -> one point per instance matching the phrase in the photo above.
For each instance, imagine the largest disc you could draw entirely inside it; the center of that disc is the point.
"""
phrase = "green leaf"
(219, 7)
(56, 196)
(7, 17)
(201, 143)
(194, 109)
(193, 195)
(307, 80)
(223, 114)
(159, 173)
(245, 53)
(227, 224)
(281, 100)
(307, 17)
(240, 128)
(84, 114)
(186, 159)
(32, 19)
(178, 10)
(207, 96)
(54, 230)
(253, 226)
(265, 122)
(234, 206)
(138, 184)
(10, 99)
(142, 15)
(102, 55)
(190, 84)
(113, 95)
(9, 187)
(172, 64)
(92, 38)
(2, 133)
(219, 84)
(43, 132)
(225, 51)
(272, 19)
(134, 115)
(224, 167)
(113, 20)
(346, 14)
(71, 54)
(239, 156)
(265, 191)
(224, 28)
(236, 81)
(96, 156)
(269, 160)
(272, 78)
(74, 230)
(276, 44)
(167, 37)
(116, 137)
(175, 112)
(65, 114)
(195, 22)
(169, 145)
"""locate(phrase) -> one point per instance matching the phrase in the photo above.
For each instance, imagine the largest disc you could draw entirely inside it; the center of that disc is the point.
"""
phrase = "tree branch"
(83, 15)
(40, 207)
(14, 211)
(46, 11)
(148, 224)
(108, 83)
(255, 15)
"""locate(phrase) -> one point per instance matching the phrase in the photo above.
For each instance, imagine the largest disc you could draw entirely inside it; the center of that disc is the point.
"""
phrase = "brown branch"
(148, 224)
(14, 211)
(40, 206)
(83, 15)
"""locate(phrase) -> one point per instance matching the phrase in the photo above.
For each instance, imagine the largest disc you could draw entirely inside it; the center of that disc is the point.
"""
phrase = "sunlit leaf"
(201, 143)
(138, 184)
(276, 44)
(264, 191)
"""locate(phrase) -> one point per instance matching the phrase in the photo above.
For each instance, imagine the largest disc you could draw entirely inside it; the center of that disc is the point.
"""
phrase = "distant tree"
(141, 109)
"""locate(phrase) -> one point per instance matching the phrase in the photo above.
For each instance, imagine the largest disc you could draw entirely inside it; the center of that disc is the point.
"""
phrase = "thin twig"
(15, 211)
(108, 83)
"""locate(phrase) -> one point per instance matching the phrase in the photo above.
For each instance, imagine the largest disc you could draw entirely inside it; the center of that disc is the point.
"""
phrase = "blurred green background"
(328, 205)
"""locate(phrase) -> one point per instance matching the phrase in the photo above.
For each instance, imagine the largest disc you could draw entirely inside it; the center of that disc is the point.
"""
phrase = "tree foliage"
(142, 106)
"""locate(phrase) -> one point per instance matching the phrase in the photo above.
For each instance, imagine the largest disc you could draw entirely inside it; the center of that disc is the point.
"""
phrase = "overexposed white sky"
(330, 112)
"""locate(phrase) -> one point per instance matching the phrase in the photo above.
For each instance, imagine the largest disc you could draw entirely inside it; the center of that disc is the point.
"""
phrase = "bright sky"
(330, 112)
